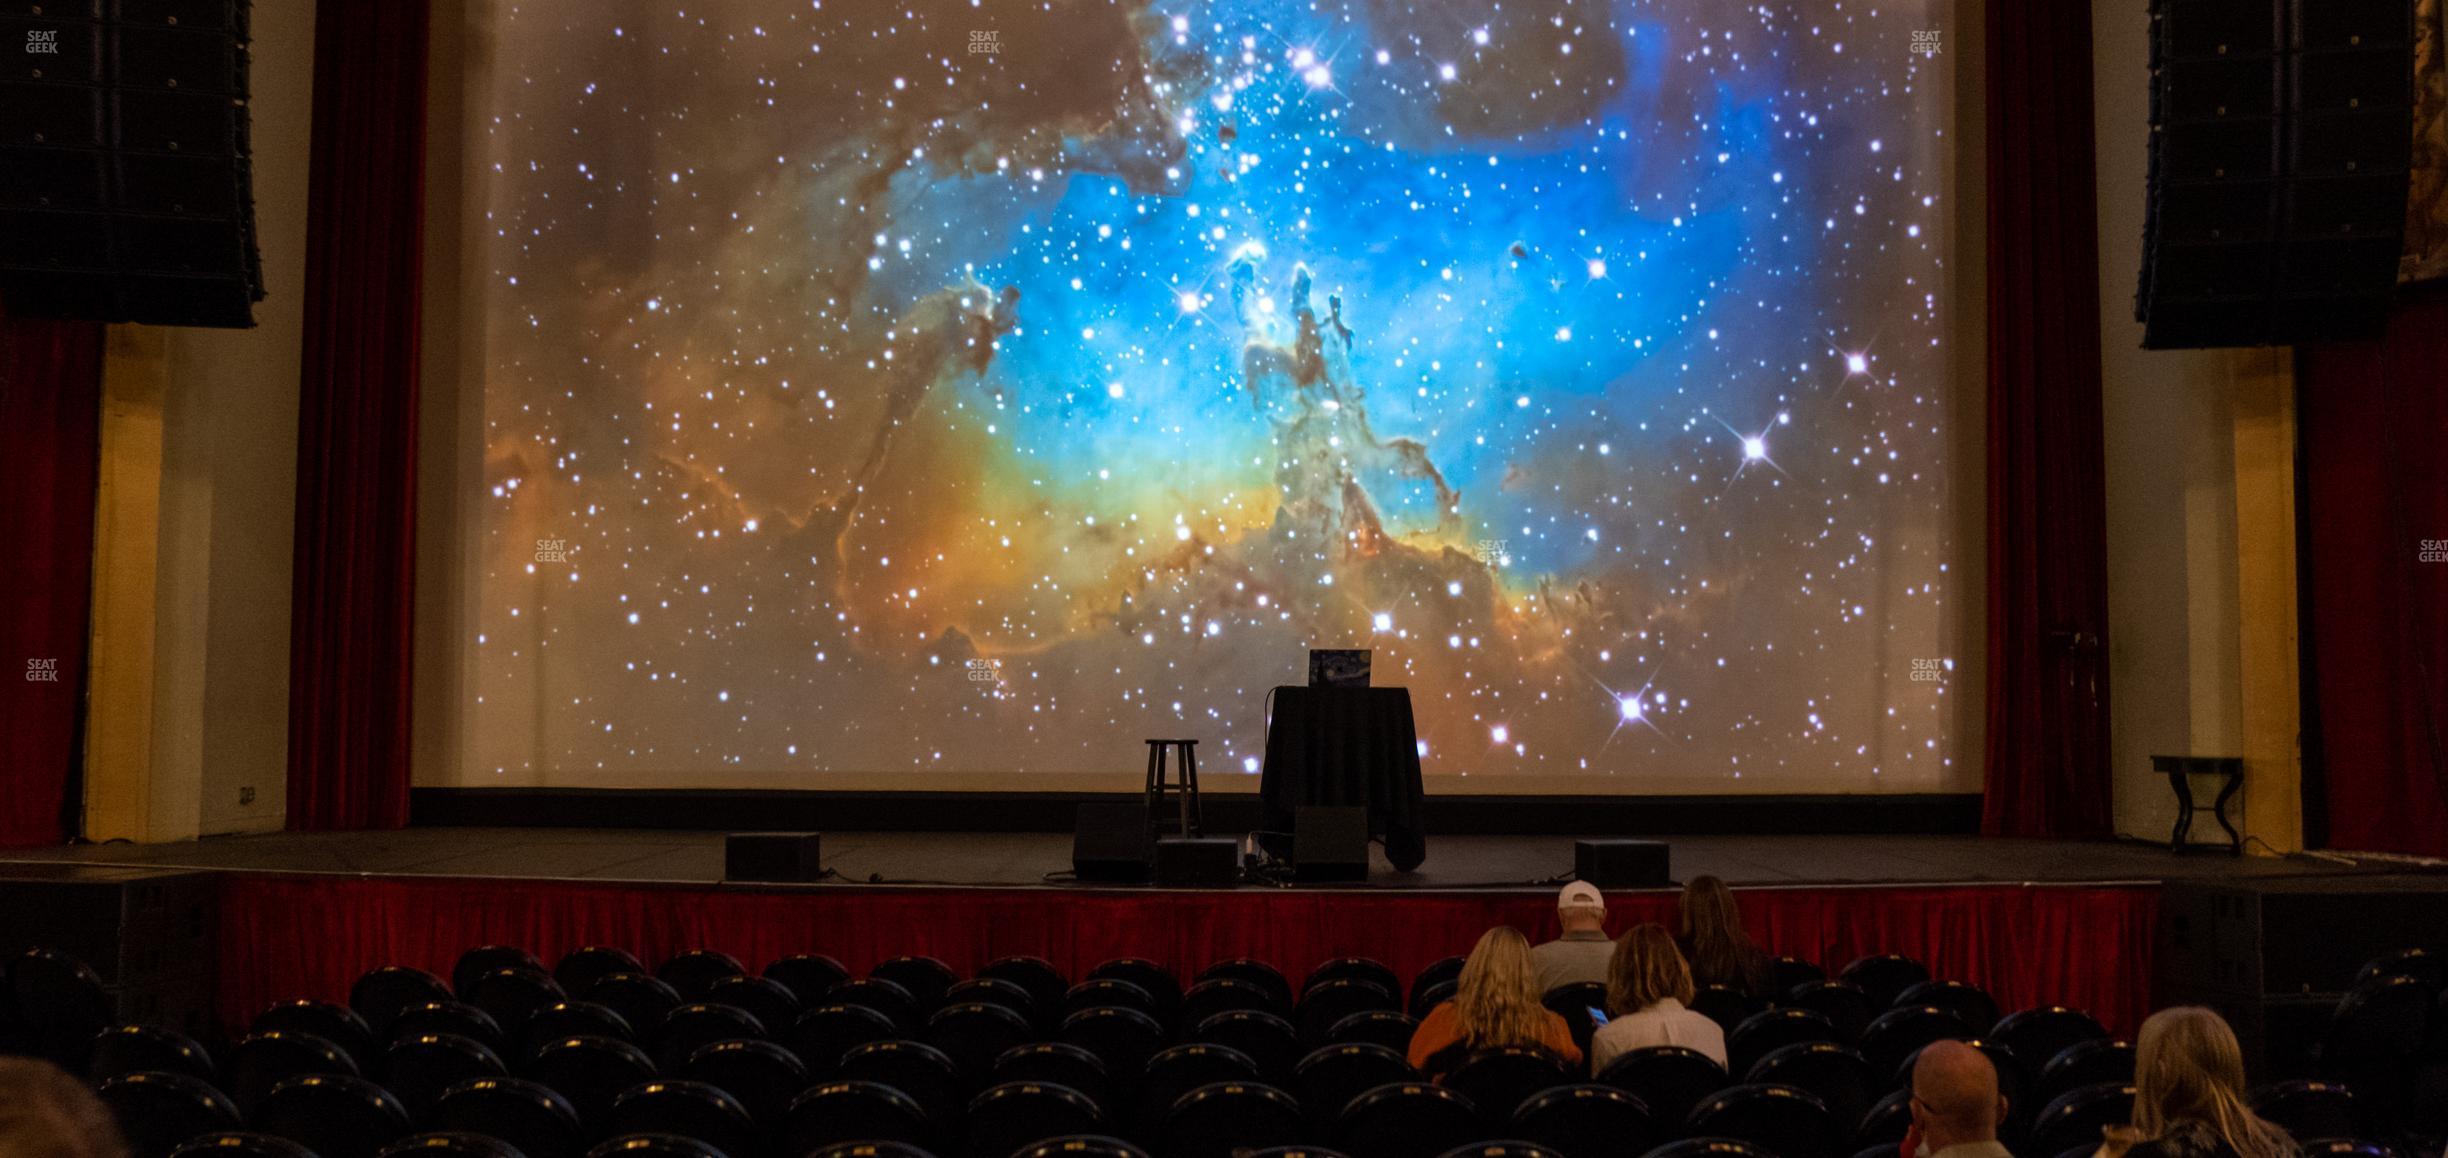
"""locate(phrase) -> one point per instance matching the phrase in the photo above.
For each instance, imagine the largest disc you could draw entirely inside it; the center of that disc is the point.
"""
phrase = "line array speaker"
(2280, 147)
(126, 188)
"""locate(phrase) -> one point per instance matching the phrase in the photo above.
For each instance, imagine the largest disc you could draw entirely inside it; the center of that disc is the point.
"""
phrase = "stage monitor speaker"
(1112, 842)
(126, 186)
(1622, 864)
(784, 857)
(2280, 153)
(1330, 843)
(1198, 861)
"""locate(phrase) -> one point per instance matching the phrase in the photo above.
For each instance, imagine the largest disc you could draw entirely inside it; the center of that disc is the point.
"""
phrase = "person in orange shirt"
(1495, 1004)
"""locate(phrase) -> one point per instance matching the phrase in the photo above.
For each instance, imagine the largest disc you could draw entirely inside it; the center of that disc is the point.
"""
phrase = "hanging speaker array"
(126, 193)
(2281, 135)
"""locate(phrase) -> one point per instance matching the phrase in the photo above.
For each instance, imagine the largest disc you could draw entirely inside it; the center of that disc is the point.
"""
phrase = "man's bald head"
(1955, 1091)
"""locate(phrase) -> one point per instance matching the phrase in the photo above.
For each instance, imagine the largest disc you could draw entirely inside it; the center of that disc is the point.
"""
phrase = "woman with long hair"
(1647, 984)
(1713, 940)
(2189, 1094)
(1495, 1004)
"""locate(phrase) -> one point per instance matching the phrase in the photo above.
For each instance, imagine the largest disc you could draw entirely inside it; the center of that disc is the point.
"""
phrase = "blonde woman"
(1713, 940)
(1647, 984)
(1495, 1004)
(2189, 1095)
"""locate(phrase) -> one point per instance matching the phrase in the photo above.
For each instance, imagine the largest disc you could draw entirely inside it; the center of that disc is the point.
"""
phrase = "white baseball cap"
(1580, 895)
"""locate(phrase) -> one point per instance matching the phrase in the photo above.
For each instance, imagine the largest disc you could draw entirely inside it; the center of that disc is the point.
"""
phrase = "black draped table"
(1352, 747)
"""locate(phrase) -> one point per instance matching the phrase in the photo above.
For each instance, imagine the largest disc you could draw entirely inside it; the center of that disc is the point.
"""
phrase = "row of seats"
(990, 1064)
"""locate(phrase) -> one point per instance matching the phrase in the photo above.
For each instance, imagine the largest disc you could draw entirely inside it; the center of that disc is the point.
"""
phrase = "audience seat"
(1254, 972)
(823, 1035)
(453, 1017)
(1153, 979)
(537, 1121)
(590, 1072)
(263, 1060)
(1770, 1030)
(989, 991)
(1789, 972)
(854, 1111)
(1782, 1120)
(1573, 1001)
(381, 994)
(2374, 1036)
(1081, 1146)
(923, 977)
(764, 1077)
(1709, 1148)
(1111, 993)
(1124, 1039)
(882, 995)
(1585, 1121)
(1221, 1119)
(2085, 1063)
(2423, 965)
(1969, 1002)
(689, 1109)
(871, 1149)
(1670, 1078)
(129, 1049)
(1267, 1040)
(809, 976)
(1385, 1027)
(60, 1005)
(2077, 1117)
(512, 995)
(582, 967)
(1297, 1152)
(334, 1115)
(1014, 1115)
(417, 1069)
(240, 1144)
(485, 959)
(689, 1027)
(1727, 1006)
(770, 1002)
(1044, 984)
(449, 1145)
(654, 1146)
(1426, 998)
(1901, 1032)
(1217, 995)
(1441, 969)
(973, 1034)
(1323, 1003)
(1500, 1148)
(158, 1111)
(337, 1024)
(1884, 1126)
(1837, 1075)
(1059, 1063)
(1406, 1120)
(2038, 1035)
(1353, 969)
(565, 1019)
(1846, 1005)
(642, 1001)
(692, 973)
(1885, 976)
(1331, 1076)
(2312, 1109)
(1498, 1081)
(1183, 1068)
(921, 1071)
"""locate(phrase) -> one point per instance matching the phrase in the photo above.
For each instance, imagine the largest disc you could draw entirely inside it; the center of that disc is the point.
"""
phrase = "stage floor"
(1044, 859)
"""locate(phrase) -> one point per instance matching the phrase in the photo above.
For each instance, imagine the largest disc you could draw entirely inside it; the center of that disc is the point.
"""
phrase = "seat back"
(589, 1072)
(1670, 1078)
(334, 1115)
(1406, 1120)
(762, 1076)
(158, 1111)
(973, 1034)
(381, 994)
(1969, 1002)
(692, 973)
(1836, 1075)
(1014, 1115)
(2077, 1117)
(1224, 1118)
(835, 1113)
(417, 1069)
(1221, 994)
(1253, 971)
(1770, 1030)
(1044, 983)
(1060, 1064)
(1573, 1001)
(1324, 1003)
(536, 1120)
(2085, 1063)
(1585, 1121)
(1781, 1120)
(1124, 1039)
(1499, 1080)
(2039, 1034)
(1183, 1068)
(822, 1035)
(1331, 1076)
(809, 976)
(925, 978)
(263, 1060)
(921, 1071)
(1885, 976)
(1901, 1032)
(2312, 1109)
(1384, 1027)
(689, 1109)
(485, 959)
(131, 1049)
(584, 966)
(1267, 1040)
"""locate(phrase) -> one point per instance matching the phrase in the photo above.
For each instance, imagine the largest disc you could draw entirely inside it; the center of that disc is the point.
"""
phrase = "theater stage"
(1043, 859)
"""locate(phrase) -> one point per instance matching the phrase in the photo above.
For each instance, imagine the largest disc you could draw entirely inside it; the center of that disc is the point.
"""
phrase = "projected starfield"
(898, 388)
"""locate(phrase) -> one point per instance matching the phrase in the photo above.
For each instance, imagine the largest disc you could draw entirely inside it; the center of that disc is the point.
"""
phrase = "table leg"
(2183, 832)
(2218, 810)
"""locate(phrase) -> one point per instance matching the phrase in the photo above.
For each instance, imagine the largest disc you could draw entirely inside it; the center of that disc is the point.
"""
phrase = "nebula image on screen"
(984, 387)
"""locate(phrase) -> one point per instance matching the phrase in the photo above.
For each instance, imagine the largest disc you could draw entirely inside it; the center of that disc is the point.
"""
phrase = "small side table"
(2180, 771)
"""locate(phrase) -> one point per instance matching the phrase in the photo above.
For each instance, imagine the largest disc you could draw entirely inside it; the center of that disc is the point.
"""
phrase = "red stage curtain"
(2047, 755)
(357, 420)
(50, 435)
(2374, 429)
(2088, 946)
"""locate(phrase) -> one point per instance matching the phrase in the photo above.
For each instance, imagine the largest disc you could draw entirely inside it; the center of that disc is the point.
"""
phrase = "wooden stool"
(1184, 785)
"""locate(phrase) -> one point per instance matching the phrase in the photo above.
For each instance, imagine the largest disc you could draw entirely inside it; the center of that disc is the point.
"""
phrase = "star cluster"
(984, 387)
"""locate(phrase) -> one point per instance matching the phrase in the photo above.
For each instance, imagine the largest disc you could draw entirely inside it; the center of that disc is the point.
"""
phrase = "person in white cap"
(1581, 953)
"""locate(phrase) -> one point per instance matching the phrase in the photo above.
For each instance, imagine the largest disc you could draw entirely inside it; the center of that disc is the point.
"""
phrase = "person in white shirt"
(1647, 984)
(1581, 954)
(1955, 1103)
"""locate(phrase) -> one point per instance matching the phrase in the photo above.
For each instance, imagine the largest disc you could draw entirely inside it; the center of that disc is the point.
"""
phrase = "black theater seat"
(536, 1120)
(1889, 1120)
(241, 1144)
(448, 1145)
(334, 1115)
(1045, 984)
(261, 1061)
(836, 1113)
(1056, 1062)
(1331, 1076)
(513, 995)
(452, 1017)
(1222, 995)
(1727, 1006)
(564, 1019)
(1015, 1115)
(1407, 1120)
(642, 1001)
(973, 1034)
(1585, 1121)
(1174, 1072)
(993, 991)
(2077, 1118)
(1267, 1039)
(2312, 1109)
(688, 1109)
(1969, 1002)
(1709, 1148)
(1770, 1030)
(1227, 1118)
(1385, 1027)
(130, 1049)
(1155, 980)
(1901, 1032)
(823, 1035)
(337, 1024)
(1670, 1078)
(590, 1072)
(1500, 1080)
(1846, 1006)
(1081, 1146)
(581, 968)
(1426, 998)
(1781, 1120)
(417, 1069)
(882, 995)
(763, 1076)
(770, 1002)
(1885, 976)
(692, 973)
(686, 1029)
(1790, 972)
(1323, 1004)
(1572, 1002)
(380, 995)
(158, 1111)
(1254, 972)
(2038, 1035)
(1124, 1039)
(924, 978)
(1835, 1074)
(1353, 969)
(1111, 993)
(1436, 972)
(921, 1071)
(654, 1146)
(809, 976)
(485, 959)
